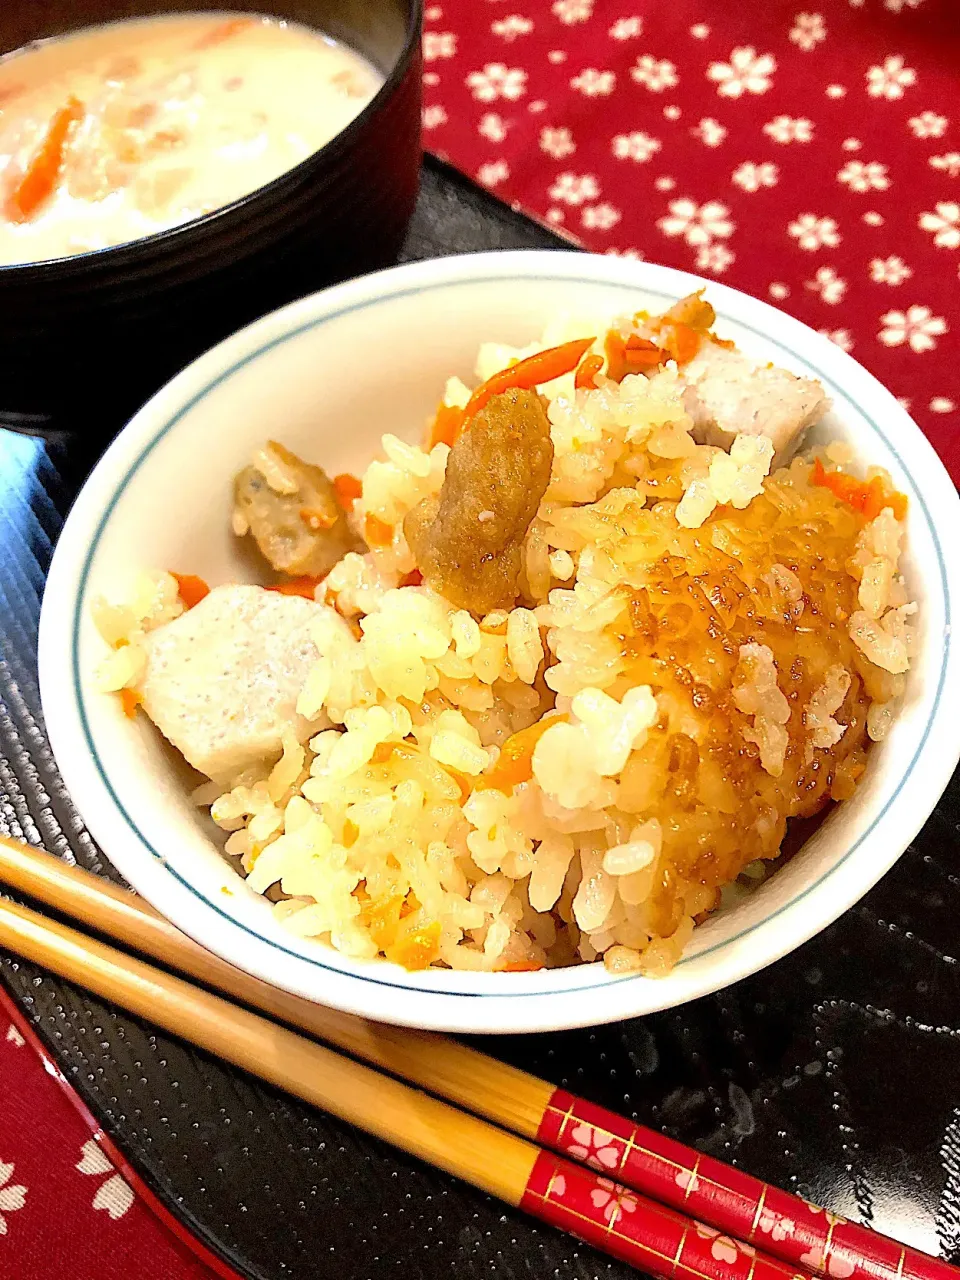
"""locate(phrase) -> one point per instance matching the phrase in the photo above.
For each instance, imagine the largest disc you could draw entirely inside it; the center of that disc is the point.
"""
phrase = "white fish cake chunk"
(222, 680)
(728, 394)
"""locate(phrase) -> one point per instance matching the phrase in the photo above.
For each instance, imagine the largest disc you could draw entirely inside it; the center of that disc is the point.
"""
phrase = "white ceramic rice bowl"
(327, 376)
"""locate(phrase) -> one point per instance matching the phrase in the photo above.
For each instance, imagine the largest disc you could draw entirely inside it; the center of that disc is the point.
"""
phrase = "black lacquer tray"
(836, 1073)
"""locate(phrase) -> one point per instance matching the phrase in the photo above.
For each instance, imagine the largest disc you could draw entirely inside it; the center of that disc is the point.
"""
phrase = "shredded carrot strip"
(682, 342)
(39, 181)
(642, 350)
(693, 310)
(522, 966)
(463, 782)
(190, 588)
(350, 833)
(446, 425)
(515, 764)
(130, 699)
(631, 355)
(377, 533)
(305, 587)
(867, 496)
(348, 489)
(587, 371)
(412, 579)
(417, 950)
(897, 502)
(530, 373)
(383, 919)
(223, 31)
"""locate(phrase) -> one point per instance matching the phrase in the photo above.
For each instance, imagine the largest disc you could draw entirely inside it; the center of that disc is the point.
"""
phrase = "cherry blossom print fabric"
(805, 152)
(69, 1207)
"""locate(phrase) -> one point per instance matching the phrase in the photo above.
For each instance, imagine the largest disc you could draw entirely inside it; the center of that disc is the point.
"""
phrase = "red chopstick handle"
(797, 1232)
(647, 1235)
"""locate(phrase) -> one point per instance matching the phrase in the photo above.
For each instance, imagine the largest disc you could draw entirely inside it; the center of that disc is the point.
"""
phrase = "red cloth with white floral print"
(69, 1204)
(808, 154)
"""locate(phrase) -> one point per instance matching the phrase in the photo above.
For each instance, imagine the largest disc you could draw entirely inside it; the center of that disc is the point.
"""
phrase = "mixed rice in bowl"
(537, 691)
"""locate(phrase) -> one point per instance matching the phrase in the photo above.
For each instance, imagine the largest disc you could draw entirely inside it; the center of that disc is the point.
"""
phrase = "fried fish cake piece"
(467, 540)
(291, 509)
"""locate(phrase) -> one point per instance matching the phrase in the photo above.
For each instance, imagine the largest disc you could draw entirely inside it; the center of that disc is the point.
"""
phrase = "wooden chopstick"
(733, 1202)
(594, 1208)
(509, 1097)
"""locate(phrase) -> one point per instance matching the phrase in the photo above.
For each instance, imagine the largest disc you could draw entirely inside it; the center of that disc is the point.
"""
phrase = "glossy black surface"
(87, 336)
(835, 1073)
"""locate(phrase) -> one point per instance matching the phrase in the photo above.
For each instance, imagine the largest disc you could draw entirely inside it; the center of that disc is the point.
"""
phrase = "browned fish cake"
(300, 532)
(467, 539)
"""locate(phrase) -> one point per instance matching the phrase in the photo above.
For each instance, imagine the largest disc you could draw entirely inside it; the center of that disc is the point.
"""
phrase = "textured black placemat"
(836, 1073)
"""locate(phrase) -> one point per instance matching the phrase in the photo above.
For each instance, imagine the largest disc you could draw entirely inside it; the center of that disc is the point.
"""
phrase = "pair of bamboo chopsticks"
(643, 1218)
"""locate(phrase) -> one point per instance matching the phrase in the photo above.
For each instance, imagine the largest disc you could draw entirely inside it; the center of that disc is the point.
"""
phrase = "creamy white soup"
(120, 131)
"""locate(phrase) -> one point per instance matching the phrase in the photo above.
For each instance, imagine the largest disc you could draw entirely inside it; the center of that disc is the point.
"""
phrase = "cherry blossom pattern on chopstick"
(648, 1235)
(741, 1207)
